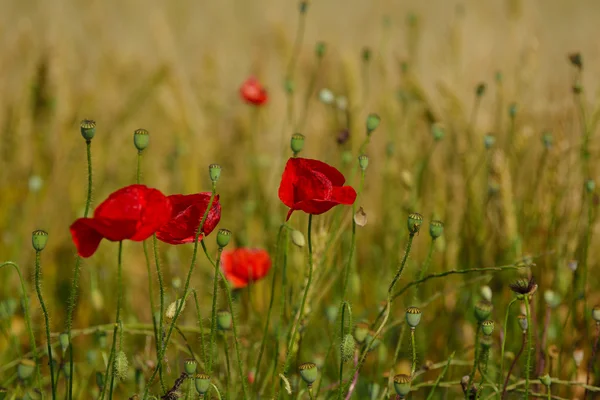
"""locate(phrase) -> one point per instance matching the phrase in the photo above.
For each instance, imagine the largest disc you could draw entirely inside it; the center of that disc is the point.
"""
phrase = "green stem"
(440, 377)
(476, 358)
(161, 291)
(343, 331)
(425, 266)
(213, 315)
(504, 338)
(38, 288)
(117, 323)
(528, 365)
(227, 364)
(414, 352)
(402, 264)
(201, 327)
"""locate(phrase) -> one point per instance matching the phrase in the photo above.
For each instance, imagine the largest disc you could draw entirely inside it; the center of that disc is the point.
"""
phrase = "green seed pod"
(223, 237)
(483, 309)
(224, 320)
(189, 366)
(413, 317)
(298, 238)
(308, 372)
(488, 141)
(577, 88)
(39, 238)
(348, 346)
(373, 121)
(141, 138)
(546, 380)
(596, 314)
(523, 322)
(320, 48)
(402, 385)
(3, 393)
(25, 368)
(214, 171)
(121, 366)
(361, 330)
(88, 129)
(436, 229)
(480, 89)
(366, 54)
(202, 383)
(437, 131)
(63, 339)
(297, 143)
(363, 162)
(487, 327)
(67, 369)
(100, 379)
(414, 223)
(590, 185)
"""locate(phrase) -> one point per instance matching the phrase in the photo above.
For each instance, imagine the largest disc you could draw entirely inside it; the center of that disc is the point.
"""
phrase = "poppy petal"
(85, 236)
(315, 207)
(155, 213)
(344, 195)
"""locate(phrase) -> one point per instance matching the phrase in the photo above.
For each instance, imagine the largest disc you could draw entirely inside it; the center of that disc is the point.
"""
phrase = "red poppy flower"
(186, 213)
(313, 187)
(242, 266)
(134, 212)
(253, 92)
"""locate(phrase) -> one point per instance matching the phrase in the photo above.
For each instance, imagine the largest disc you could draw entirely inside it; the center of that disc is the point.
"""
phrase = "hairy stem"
(38, 288)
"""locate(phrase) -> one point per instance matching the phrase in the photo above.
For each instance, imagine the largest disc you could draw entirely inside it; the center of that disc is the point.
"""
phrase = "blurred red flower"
(134, 212)
(253, 92)
(186, 213)
(313, 187)
(242, 265)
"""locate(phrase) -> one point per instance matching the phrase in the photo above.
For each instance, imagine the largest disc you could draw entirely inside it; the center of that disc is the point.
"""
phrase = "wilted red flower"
(253, 92)
(313, 187)
(186, 213)
(134, 212)
(242, 265)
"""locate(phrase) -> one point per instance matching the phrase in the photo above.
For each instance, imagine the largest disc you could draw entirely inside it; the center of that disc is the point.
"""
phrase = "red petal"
(242, 266)
(88, 232)
(156, 212)
(315, 207)
(344, 195)
(335, 176)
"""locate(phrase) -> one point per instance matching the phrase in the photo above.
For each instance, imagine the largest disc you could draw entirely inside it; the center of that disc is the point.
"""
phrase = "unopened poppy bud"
(489, 140)
(141, 138)
(326, 96)
(214, 171)
(202, 383)
(512, 110)
(224, 319)
(483, 309)
(100, 379)
(547, 140)
(320, 49)
(347, 347)
(436, 229)
(437, 131)
(360, 218)
(577, 88)
(523, 322)
(25, 368)
(176, 283)
(480, 90)
(590, 185)
(402, 385)
(223, 237)
(308, 372)
(63, 339)
(366, 54)
(297, 143)
(413, 317)
(414, 223)
(373, 121)
(189, 366)
(121, 366)
(487, 327)
(39, 238)
(361, 330)
(486, 293)
(546, 380)
(88, 129)
(596, 314)
(298, 238)
(363, 162)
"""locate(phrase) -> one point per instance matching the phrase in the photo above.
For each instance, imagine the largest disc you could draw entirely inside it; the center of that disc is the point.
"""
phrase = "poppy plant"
(134, 212)
(243, 265)
(186, 214)
(253, 92)
(313, 187)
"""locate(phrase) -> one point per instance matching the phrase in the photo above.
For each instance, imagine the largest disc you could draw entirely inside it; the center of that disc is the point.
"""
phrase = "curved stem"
(413, 368)
(38, 288)
(514, 363)
(440, 377)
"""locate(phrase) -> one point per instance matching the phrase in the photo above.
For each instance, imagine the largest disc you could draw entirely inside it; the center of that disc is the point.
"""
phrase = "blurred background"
(175, 68)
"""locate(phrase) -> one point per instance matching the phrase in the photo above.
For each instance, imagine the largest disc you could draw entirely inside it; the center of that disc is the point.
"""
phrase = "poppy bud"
(414, 223)
(577, 88)
(487, 327)
(413, 317)
(223, 237)
(63, 339)
(402, 385)
(347, 347)
(320, 49)
(214, 171)
(308, 372)
(547, 140)
(480, 90)
(141, 139)
(523, 322)
(297, 143)
(326, 96)
(486, 293)
(202, 383)
(590, 185)
(100, 379)
(436, 229)
(489, 140)
(483, 309)
(121, 366)
(39, 238)
(360, 331)
(189, 366)
(373, 121)
(360, 218)
(576, 60)
(546, 381)
(88, 129)
(437, 131)
(298, 238)
(303, 6)
(596, 314)
(363, 162)
(366, 54)
(25, 368)
(224, 319)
